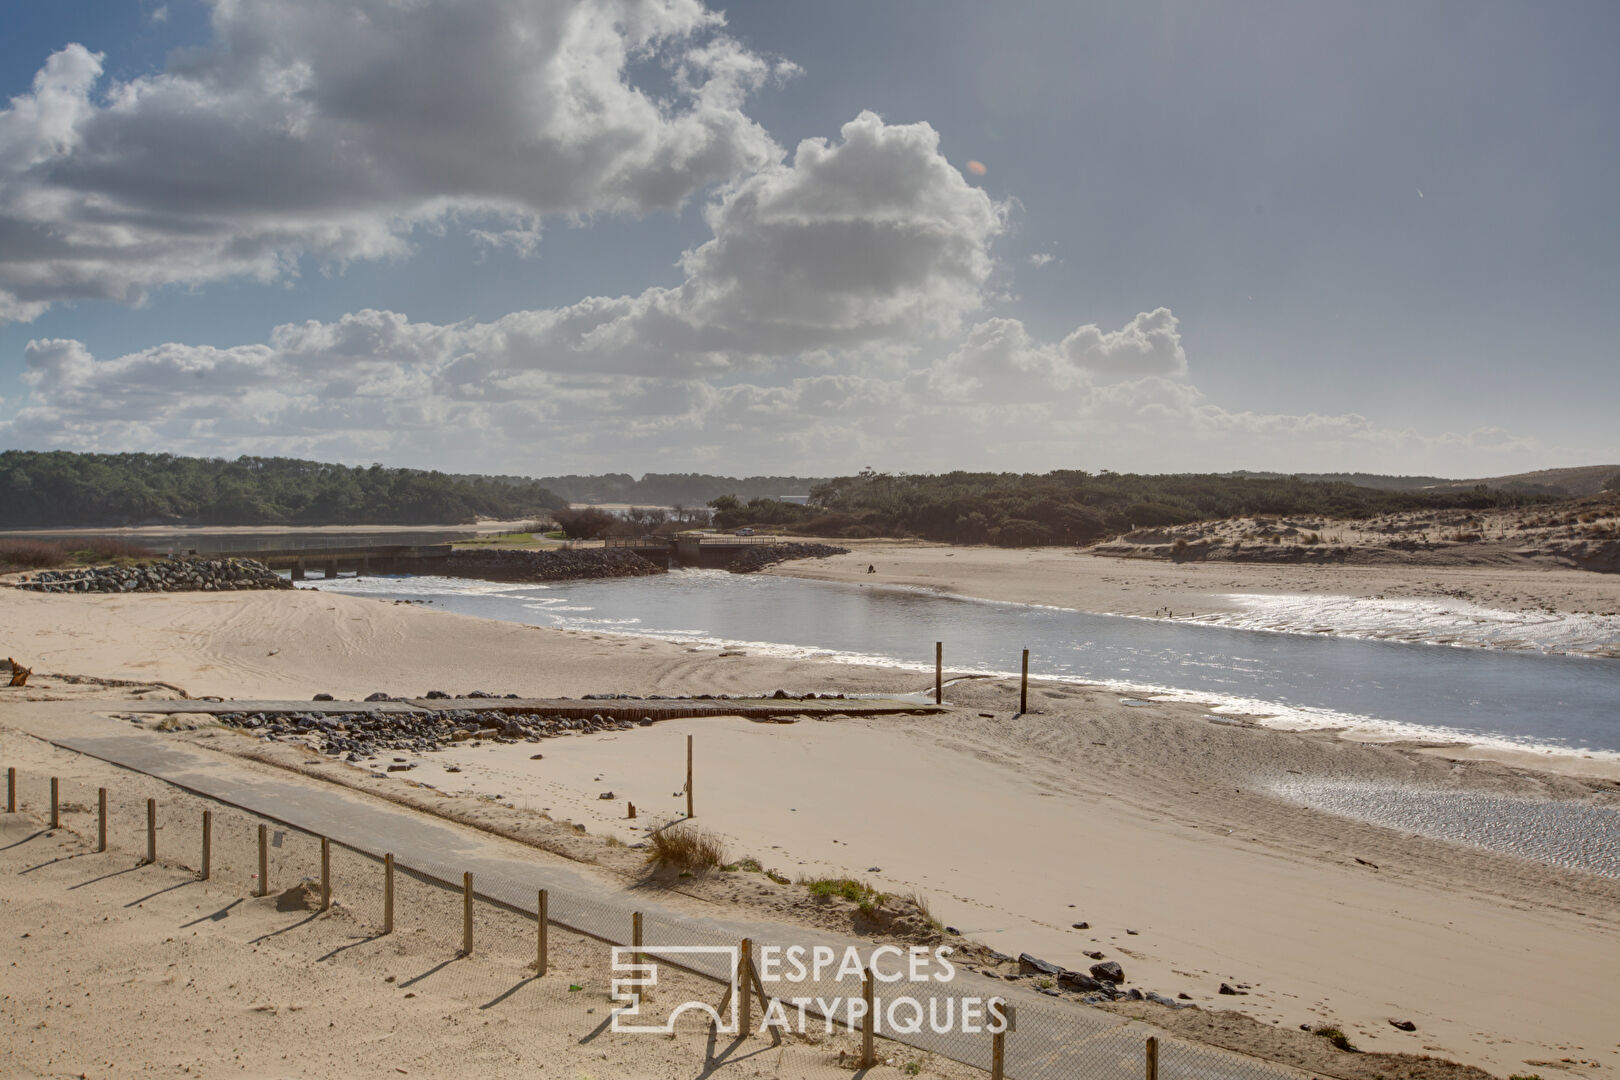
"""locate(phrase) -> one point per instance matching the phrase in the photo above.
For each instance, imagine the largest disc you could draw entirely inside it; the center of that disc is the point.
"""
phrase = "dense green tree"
(59, 488)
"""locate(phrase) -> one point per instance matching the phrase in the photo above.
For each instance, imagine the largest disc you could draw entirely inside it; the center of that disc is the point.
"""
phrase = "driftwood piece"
(19, 674)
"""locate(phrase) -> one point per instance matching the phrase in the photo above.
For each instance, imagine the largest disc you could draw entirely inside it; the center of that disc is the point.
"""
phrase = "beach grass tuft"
(685, 848)
(1335, 1036)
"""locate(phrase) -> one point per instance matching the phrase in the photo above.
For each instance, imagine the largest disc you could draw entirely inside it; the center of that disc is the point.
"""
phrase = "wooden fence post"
(689, 776)
(56, 804)
(326, 874)
(151, 830)
(466, 913)
(388, 893)
(101, 819)
(208, 843)
(635, 935)
(939, 673)
(542, 917)
(868, 1053)
(11, 790)
(1023, 686)
(745, 964)
(1153, 1057)
(998, 1043)
(264, 860)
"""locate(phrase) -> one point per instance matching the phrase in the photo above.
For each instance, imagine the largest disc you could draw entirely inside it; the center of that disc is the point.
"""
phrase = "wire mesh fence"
(431, 904)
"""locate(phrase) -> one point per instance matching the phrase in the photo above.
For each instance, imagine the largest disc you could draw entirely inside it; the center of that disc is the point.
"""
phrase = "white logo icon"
(646, 974)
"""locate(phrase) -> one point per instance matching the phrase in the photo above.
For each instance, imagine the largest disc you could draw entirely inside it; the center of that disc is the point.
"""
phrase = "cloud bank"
(333, 128)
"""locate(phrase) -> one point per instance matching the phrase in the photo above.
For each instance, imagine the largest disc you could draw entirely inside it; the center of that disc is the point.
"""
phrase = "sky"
(542, 237)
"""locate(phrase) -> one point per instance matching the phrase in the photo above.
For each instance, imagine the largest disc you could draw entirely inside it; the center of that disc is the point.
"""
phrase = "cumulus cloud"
(334, 127)
(1148, 345)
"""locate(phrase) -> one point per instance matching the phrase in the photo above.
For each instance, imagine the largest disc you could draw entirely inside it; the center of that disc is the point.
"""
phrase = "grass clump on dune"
(685, 848)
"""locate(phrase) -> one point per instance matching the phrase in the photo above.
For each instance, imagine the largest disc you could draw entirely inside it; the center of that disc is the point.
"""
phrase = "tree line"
(60, 488)
(1072, 507)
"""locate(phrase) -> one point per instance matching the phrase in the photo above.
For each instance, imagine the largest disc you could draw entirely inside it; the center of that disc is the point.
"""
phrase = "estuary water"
(1556, 703)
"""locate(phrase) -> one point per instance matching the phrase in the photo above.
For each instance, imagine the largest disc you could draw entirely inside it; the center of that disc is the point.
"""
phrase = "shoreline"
(1576, 612)
(1001, 823)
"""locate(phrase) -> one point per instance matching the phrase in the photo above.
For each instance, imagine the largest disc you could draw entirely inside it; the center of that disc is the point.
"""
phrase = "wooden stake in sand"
(689, 776)
(264, 860)
(326, 873)
(208, 843)
(466, 914)
(542, 917)
(939, 673)
(1023, 686)
(868, 1053)
(11, 790)
(101, 819)
(151, 830)
(1153, 1057)
(56, 804)
(388, 893)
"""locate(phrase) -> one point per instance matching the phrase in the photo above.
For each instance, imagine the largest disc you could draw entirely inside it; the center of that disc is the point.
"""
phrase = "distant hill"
(63, 489)
(673, 489)
(1571, 482)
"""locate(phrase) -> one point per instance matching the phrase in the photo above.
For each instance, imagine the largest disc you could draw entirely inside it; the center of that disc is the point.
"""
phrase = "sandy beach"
(1160, 827)
(1526, 607)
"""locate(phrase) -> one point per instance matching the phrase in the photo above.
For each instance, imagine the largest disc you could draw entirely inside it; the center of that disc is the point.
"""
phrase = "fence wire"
(1052, 1040)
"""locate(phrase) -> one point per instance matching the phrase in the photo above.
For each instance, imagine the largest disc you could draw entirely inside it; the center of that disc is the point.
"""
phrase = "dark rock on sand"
(1108, 971)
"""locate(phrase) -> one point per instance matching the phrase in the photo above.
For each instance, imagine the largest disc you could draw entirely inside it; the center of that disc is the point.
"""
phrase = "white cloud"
(1148, 345)
(334, 127)
(1042, 258)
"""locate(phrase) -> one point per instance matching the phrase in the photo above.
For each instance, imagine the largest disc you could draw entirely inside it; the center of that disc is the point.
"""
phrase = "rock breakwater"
(171, 575)
(760, 556)
(359, 735)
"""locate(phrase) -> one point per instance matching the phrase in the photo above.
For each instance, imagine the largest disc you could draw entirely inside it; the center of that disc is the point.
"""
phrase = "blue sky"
(541, 237)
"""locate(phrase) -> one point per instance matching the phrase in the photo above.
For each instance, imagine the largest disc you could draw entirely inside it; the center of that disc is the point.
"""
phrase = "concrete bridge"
(706, 551)
(373, 559)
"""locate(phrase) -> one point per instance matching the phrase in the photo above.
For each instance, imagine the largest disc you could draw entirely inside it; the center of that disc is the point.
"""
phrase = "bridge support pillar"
(363, 567)
(298, 570)
(331, 568)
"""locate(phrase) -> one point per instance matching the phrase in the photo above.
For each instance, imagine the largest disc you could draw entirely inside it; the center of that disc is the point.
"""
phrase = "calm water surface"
(1568, 703)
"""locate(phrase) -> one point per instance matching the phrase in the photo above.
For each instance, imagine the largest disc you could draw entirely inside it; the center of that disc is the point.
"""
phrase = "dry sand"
(115, 969)
(1147, 819)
